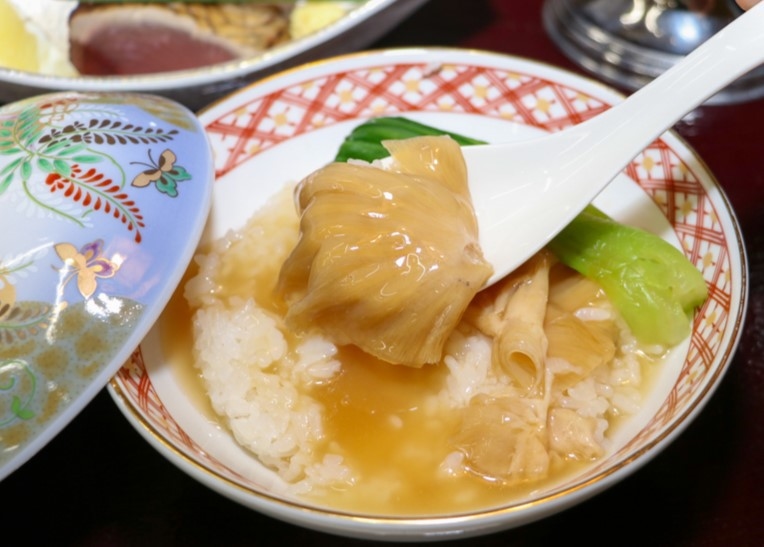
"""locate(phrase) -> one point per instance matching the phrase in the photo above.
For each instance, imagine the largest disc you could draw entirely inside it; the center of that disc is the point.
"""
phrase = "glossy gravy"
(384, 421)
(389, 423)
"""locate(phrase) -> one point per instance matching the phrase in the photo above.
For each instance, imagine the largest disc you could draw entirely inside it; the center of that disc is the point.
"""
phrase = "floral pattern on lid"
(85, 263)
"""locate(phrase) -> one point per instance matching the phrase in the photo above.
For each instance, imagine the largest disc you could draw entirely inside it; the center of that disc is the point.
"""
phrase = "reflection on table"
(630, 42)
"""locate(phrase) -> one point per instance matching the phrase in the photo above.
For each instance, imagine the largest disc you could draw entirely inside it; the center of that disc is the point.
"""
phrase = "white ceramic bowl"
(286, 126)
(199, 87)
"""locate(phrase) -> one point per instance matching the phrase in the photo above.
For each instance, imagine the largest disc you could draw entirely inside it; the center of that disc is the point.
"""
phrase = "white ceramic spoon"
(525, 192)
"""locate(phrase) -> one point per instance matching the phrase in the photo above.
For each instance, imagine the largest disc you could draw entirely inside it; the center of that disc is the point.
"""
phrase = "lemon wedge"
(18, 46)
(34, 36)
(308, 17)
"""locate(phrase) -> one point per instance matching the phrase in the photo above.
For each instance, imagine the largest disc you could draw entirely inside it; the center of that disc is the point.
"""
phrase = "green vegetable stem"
(653, 285)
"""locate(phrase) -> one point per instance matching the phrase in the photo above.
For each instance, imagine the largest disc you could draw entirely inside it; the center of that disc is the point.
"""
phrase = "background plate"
(197, 88)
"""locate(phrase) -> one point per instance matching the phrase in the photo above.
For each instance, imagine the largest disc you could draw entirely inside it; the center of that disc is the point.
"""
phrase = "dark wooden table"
(99, 484)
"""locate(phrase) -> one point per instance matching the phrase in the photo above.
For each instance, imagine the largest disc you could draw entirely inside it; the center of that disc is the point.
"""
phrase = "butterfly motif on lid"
(164, 172)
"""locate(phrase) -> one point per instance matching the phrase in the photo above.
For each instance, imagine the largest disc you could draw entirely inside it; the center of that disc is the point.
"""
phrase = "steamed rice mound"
(251, 377)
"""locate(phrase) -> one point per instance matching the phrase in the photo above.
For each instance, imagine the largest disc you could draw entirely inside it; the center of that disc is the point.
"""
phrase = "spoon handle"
(636, 122)
(526, 191)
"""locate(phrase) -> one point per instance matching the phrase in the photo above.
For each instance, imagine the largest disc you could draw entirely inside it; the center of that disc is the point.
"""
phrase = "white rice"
(254, 382)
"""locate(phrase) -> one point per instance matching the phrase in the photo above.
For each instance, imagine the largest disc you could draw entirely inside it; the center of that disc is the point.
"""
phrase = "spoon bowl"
(526, 192)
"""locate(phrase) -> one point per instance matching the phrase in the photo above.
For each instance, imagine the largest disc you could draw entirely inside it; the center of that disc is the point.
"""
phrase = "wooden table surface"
(100, 484)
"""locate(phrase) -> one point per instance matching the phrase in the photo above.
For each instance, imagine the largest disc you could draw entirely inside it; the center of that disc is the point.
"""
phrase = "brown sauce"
(386, 421)
(390, 431)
